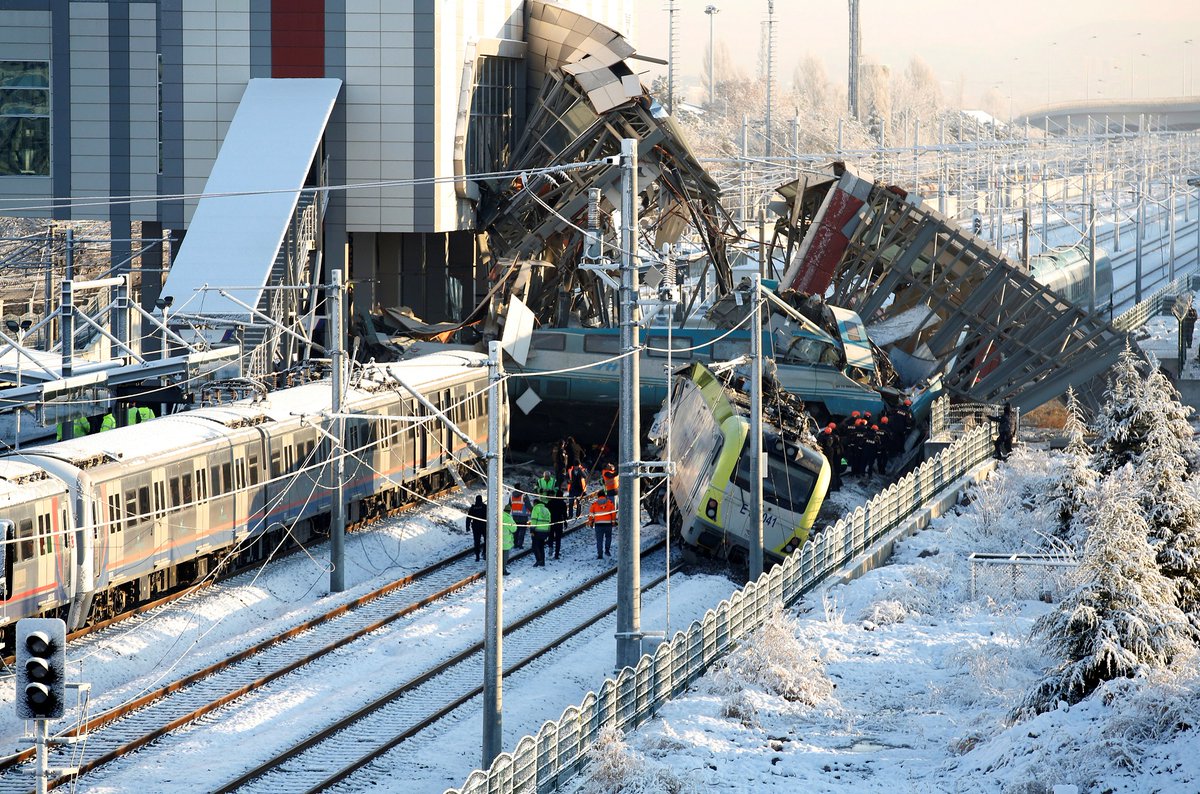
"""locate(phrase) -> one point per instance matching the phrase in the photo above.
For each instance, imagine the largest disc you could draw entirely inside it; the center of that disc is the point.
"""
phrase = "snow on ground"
(213, 623)
(900, 681)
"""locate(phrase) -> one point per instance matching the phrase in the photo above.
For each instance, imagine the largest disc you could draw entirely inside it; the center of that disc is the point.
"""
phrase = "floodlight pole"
(337, 514)
(756, 429)
(493, 634)
(629, 597)
(1092, 257)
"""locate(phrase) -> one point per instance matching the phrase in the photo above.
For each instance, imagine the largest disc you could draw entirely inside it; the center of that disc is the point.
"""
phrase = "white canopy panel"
(239, 225)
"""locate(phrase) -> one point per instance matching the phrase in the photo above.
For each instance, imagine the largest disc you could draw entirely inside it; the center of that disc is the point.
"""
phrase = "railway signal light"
(41, 668)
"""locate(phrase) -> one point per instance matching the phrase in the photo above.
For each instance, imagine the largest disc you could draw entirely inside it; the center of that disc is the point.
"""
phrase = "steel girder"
(1000, 334)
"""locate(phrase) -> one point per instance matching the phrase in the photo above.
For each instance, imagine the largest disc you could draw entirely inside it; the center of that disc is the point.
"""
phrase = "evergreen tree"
(1124, 420)
(1067, 495)
(1121, 619)
(1164, 406)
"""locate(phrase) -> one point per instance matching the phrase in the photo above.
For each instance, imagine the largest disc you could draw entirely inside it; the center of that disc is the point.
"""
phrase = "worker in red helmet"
(887, 444)
(855, 443)
(831, 446)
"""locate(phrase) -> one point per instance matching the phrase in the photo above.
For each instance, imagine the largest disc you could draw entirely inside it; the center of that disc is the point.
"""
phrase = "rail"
(559, 750)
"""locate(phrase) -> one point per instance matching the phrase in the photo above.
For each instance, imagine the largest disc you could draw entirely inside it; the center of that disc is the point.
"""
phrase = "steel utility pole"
(66, 322)
(1092, 257)
(629, 594)
(756, 429)
(337, 514)
(712, 11)
(855, 42)
(493, 634)
(671, 56)
(770, 71)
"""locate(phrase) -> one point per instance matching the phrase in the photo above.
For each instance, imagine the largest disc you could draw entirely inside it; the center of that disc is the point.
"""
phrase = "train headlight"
(710, 509)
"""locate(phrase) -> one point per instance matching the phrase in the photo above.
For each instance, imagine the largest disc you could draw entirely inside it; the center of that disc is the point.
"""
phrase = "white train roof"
(204, 425)
(21, 481)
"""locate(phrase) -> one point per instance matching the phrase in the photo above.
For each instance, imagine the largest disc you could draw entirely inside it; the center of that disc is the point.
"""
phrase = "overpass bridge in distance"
(1176, 114)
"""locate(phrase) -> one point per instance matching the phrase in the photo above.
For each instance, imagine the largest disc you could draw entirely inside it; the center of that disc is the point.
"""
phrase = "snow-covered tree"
(1124, 420)
(1121, 619)
(1076, 479)
(1164, 407)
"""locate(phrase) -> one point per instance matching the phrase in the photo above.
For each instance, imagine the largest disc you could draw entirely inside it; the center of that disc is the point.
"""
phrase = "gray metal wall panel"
(27, 33)
(170, 44)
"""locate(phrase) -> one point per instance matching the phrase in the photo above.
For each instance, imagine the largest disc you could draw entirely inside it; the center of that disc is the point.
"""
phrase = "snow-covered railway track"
(230, 571)
(383, 725)
(122, 730)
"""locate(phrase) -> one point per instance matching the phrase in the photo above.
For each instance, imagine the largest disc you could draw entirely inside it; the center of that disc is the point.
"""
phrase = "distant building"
(132, 99)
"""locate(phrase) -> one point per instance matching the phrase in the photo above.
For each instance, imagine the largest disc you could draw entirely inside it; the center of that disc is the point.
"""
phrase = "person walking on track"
(477, 523)
(539, 525)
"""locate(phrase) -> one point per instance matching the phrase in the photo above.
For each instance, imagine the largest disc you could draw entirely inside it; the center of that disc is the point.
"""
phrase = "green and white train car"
(710, 444)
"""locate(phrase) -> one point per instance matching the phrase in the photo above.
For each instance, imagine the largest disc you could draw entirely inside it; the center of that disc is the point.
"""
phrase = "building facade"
(116, 110)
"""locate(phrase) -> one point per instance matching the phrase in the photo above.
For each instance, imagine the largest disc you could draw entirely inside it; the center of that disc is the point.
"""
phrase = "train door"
(239, 498)
(161, 536)
(46, 553)
(255, 481)
(8, 534)
(203, 509)
(23, 575)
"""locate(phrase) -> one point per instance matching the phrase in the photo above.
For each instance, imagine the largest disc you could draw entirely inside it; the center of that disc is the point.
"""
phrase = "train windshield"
(788, 483)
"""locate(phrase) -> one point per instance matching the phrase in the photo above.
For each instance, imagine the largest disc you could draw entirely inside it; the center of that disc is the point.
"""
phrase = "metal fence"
(543, 762)
(955, 419)
(1137, 316)
(1020, 576)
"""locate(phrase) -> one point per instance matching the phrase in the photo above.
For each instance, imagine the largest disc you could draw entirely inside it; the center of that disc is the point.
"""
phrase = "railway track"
(382, 726)
(130, 727)
(236, 570)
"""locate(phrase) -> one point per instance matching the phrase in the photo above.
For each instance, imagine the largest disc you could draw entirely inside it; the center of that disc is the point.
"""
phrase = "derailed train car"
(710, 488)
(96, 525)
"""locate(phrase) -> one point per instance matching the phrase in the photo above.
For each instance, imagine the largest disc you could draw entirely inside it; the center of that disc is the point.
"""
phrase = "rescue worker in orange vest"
(520, 505)
(609, 475)
(602, 515)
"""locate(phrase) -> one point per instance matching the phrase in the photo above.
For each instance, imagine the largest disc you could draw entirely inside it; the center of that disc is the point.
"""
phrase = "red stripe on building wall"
(297, 38)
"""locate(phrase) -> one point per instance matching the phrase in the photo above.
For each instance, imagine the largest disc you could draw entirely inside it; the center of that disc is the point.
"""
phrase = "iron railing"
(545, 761)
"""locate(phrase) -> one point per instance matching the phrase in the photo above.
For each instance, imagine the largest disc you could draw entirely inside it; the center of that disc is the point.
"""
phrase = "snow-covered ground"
(901, 681)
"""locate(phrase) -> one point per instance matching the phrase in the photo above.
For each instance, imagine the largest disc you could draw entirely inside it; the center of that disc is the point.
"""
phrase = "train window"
(240, 473)
(201, 485)
(143, 502)
(131, 511)
(25, 539)
(679, 345)
(352, 436)
(289, 458)
(549, 342)
(727, 351)
(253, 463)
(214, 480)
(788, 484)
(227, 478)
(186, 483)
(114, 513)
(176, 495)
(276, 469)
(160, 500)
(44, 540)
(602, 343)
(385, 434)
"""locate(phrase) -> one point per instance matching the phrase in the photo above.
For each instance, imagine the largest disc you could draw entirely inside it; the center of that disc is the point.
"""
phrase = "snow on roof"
(21, 481)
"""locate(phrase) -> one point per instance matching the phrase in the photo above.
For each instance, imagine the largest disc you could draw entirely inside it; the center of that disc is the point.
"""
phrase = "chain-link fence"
(543, 762)
(951, 420)
(1015, 577)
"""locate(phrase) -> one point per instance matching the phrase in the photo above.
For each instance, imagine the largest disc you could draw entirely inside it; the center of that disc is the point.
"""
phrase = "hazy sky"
(1029, 49)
